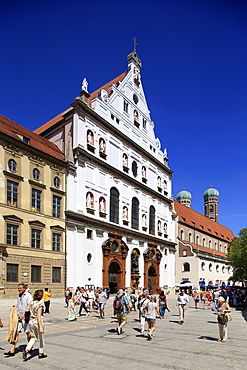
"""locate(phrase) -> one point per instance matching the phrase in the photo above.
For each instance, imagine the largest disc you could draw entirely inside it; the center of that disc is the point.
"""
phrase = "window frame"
(12, 273)
(56, 206)
(36, 200)
(33, 272)
(56, 268)
(12, 193)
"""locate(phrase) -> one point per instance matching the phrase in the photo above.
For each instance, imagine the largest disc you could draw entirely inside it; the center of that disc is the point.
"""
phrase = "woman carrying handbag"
(223, 310)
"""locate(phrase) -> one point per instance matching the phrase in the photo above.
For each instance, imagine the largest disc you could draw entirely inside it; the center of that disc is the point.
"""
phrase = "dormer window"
(26, 140)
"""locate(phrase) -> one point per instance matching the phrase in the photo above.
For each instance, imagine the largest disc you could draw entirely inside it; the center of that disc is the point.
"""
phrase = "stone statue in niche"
(134, 262)
(159, 182)
(144, 220)
(89, 138)
(125, 213)
(102, 146)
(89, 202)
(84, 86)
(125, 161)
(102, 206)
(136, 117)
(136, 74)
(143, 172)
(165, 153)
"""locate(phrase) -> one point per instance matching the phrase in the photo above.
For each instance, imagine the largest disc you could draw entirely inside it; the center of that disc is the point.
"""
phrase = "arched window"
(134, 168)
(197, 239)
(210, 267)
(165, 186)
(125, 160)
(186, 266)
(211, 208)
(89, 200)
(135, 214)
(90, 137)
(215, 245)
(203, 266)
(152, 220)
(220, 248)
(114, 205)
(165, 228)
(182, 235)
(217, 268)
(203, 242)
(210, 244)
(190, 237)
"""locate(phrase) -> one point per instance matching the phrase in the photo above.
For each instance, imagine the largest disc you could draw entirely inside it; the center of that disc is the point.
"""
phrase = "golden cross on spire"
(135, 43)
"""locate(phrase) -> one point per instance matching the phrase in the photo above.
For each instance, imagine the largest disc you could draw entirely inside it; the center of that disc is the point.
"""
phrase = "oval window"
(56, 182)
(12, 165)
(36, 174)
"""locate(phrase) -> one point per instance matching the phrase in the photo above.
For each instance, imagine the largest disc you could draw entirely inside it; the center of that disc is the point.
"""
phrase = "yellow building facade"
(32, 206)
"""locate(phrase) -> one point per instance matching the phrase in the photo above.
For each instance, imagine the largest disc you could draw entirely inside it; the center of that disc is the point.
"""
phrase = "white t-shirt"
(151, 313)
(183, 298)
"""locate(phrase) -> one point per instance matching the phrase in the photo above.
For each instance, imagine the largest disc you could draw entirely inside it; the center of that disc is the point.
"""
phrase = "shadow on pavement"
(212, 322)
(176, 322)
(244, 312)
(208, 338)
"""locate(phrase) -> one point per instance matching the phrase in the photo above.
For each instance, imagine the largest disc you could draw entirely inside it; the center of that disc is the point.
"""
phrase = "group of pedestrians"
(27, 314)
(87, 300)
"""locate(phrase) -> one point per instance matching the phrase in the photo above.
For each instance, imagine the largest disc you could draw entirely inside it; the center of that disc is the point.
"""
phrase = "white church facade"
(120, 221)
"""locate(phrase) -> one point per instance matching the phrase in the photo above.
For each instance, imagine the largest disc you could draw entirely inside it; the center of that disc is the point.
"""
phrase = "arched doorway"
(113, 276)
(151, 277)
(115, 252)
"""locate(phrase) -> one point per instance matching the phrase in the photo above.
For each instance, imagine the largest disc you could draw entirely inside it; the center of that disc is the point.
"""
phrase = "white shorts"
(22, 325)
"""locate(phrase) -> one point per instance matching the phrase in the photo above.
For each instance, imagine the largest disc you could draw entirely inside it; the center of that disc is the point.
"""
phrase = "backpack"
(118, 304)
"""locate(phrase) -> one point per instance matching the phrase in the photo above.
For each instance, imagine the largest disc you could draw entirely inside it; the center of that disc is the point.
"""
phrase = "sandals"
(42, 355)
(24, 355)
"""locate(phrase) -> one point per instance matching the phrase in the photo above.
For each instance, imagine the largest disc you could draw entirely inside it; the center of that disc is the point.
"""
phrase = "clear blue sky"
(194, 56)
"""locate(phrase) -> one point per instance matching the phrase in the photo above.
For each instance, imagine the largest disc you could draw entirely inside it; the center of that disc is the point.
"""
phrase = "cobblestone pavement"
(92, 343)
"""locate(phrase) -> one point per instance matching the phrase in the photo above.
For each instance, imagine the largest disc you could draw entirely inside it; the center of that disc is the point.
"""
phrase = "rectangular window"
(12, 193)
(56, 206)
(35, 274)
(36, 200)
(35, 238)
(89, 234)
(12, 272)
(126, 106)
(12, 234)
(56, 242)
(144, 123)
(56, 274)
